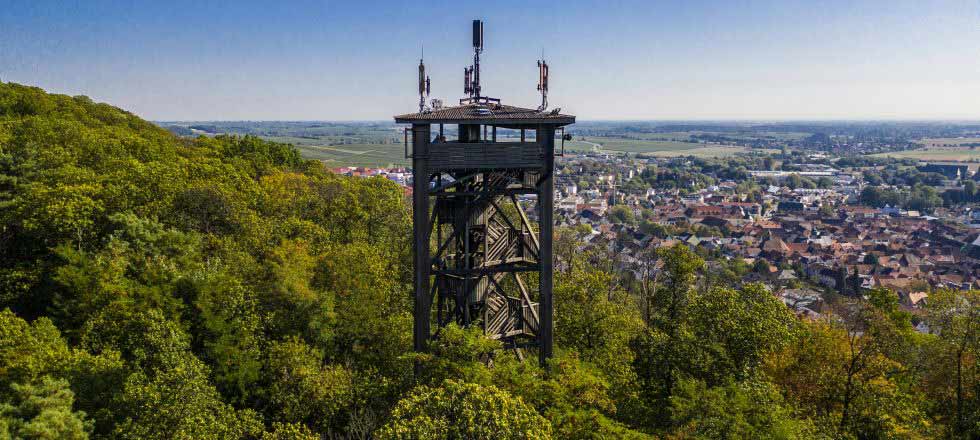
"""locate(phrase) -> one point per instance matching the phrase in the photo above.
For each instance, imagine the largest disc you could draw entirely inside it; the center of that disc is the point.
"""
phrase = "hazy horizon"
(618, 62)
(580, 120)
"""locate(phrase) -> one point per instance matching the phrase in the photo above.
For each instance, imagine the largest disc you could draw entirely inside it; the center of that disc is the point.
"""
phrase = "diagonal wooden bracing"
(477, 245)
(473, 241)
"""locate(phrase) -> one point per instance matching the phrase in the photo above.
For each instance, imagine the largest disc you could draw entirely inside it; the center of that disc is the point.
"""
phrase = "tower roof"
(487, 114)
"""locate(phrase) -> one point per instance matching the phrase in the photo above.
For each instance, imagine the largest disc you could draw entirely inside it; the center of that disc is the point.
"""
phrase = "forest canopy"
(156, 287)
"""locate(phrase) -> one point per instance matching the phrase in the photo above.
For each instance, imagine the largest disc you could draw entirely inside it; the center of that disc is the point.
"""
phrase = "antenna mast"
(425, 87)
(471, 74)
(477, 49)
(543, 83)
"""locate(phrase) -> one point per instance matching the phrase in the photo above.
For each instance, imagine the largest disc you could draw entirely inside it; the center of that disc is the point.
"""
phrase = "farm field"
(392, 154)
(366, 155)
(337, 151)
(664, 148)
(746, 136)
(934, 153)
(950, 142)
(960, 149)
(380, 143)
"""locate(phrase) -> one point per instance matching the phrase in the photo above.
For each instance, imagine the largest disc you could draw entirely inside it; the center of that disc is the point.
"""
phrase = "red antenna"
(543, 83)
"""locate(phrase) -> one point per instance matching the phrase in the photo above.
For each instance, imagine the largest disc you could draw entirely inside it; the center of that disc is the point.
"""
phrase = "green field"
(953, 154)
(941, 149)
(746, 136)
(664, 148)
(380, 143)
(366, 155)
(949, 142)
(336, 151)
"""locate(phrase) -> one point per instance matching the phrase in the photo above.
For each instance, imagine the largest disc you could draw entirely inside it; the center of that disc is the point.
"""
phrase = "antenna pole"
(477, 48)
(471, 74)
(424, 86)
(543, 82)
(476, 72)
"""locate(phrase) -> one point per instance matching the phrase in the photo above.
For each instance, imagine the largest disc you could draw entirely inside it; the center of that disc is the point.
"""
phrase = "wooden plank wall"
(484, 155)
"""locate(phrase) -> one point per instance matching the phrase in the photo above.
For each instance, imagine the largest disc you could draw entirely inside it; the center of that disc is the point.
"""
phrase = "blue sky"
(354, 60)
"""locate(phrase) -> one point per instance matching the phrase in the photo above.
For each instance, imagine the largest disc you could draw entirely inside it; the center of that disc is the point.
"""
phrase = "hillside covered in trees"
(154, 287)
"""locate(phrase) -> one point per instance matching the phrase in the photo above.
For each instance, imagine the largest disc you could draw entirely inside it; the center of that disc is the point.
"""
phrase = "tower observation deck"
(479, 260)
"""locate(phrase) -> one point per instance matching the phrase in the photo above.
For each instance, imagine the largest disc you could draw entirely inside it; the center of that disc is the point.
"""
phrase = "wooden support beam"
(466, 245)
(527, 296)
(420, 223)
(527, 224)
(546, 199)
(511, 225)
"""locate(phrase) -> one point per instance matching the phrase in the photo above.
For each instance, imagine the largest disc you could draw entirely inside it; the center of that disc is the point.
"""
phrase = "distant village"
(801, 242)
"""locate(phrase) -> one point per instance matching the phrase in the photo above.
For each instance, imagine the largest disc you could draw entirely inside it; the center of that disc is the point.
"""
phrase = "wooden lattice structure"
(479, 260)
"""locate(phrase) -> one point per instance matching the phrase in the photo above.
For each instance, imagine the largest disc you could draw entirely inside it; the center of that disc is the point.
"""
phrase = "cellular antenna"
(471, 74)
(424, 84)
(543, 82)
(477, 49)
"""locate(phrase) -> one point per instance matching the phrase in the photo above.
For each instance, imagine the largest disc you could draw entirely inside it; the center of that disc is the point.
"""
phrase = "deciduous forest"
(156, 287)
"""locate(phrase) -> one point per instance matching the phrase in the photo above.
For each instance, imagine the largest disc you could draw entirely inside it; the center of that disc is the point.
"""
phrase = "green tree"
(654, 229)
(43, 411)
(304, 390)
(660, 349)
(575, 396)
(923, 198)
(289, 431)
(457, 410)
(718, 336)
(597, 319)
(143, 264)
(970, 189)
(231, 334)
(733, 331)
(32, 354)
(168, 393)
(953, 382)
(751, 409)
(622, 214)
(371, 323)
(178, 402)
(843, 376)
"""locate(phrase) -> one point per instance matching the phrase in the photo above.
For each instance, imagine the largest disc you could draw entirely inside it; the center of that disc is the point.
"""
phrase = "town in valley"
(814, 210)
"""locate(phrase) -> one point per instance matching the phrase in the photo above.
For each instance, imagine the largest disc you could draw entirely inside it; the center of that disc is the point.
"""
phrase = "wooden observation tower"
(479, 259)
